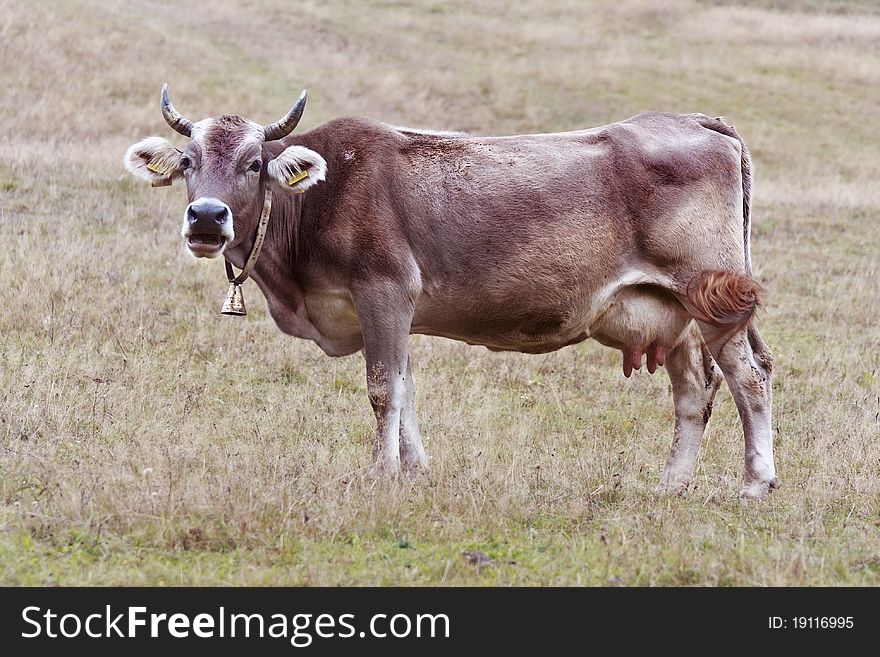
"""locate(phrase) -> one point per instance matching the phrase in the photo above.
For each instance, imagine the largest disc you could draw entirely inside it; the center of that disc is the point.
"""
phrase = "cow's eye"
(256, 165)
(185, 163)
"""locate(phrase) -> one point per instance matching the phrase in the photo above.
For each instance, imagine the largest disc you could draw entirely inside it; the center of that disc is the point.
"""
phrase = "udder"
(645, 322)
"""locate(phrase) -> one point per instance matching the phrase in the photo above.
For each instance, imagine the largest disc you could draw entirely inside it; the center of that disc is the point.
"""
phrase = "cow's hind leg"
(412, 453)
(695, 379)
(747, 364)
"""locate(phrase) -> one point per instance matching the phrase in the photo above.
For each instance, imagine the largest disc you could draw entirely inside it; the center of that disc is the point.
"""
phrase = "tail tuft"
(723, 298)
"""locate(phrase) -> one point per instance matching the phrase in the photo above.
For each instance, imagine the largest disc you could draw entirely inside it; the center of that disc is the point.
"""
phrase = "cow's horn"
(285, 126)
(174, 118)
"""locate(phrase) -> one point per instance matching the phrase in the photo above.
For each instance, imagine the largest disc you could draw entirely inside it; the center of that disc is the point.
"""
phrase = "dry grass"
(147, 440)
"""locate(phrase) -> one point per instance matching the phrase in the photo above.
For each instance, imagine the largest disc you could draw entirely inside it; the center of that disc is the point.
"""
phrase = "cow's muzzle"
(207, 227)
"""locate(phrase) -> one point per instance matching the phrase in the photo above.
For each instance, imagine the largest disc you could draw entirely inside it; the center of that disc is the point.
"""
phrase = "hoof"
(413, 459)
(758, 490)
(414, 466)
(674, 488)
(388, 468)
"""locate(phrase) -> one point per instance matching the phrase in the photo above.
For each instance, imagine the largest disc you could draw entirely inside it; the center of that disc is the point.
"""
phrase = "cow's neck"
(275, 270)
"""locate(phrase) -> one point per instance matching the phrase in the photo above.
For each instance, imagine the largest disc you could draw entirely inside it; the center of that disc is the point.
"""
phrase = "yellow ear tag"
(156, 169)
(295, 178)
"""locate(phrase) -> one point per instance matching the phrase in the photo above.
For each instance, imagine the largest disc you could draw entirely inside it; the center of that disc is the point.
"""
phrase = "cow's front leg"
(412, 453)
(385, 315)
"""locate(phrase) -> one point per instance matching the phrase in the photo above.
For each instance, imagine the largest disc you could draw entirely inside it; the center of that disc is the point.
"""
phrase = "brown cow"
(635, 234)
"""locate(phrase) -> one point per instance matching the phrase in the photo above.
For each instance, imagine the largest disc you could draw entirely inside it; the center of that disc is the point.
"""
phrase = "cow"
(635, 234)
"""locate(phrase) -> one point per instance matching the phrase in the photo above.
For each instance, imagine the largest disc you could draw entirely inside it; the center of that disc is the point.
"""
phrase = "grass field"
(148, 440)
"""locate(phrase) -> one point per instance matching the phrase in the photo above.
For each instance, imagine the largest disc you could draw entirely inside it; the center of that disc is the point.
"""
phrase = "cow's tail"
(723, 298)
(718, 125)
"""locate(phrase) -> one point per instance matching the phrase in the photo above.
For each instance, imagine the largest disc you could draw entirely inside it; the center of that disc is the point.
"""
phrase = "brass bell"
(234, 304)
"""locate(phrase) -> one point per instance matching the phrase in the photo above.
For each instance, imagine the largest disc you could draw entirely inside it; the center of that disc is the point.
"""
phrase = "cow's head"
(226, 166)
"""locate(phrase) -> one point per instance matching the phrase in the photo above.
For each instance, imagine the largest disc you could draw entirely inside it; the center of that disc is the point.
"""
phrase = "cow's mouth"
(205, 246)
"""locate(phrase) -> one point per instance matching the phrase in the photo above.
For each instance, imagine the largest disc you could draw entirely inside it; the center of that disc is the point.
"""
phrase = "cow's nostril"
(220, 215)
(191, 215)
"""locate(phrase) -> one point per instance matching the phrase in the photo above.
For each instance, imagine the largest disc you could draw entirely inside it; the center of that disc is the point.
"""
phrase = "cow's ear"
(155, 160)
(297, 168)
